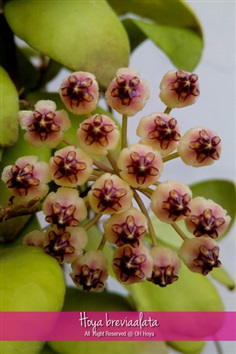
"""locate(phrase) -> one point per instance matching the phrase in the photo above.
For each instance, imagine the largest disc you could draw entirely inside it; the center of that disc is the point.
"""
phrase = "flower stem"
(102, 243)
(92, 221)
(124, 131)
(92, 178)
(23, 208)
(145, 212)
(112, 161)
(85, 199)
(97, 173)
(218, 347)
(167, 110)
(172, 156)
(102, 167)
(179, 231)
(147, 192)
(67, 142)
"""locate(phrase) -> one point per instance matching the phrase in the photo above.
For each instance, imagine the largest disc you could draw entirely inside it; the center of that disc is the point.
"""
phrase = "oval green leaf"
(183, 46)
(81, 35)
(172, 26)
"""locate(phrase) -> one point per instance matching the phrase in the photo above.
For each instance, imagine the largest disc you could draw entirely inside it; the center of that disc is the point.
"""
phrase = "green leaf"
(47, 350)
(183, 46)
(136, 35)
(76, 300)
(150, 297)
(187, 347)
(221, 192)
(172, 26)
(32, 224)
(81, 35)
(166, 234)
(175, 13)
(27, 74)
(192, 292)
(223, 277)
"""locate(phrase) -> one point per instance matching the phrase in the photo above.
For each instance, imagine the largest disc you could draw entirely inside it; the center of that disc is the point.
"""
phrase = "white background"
(214, 109)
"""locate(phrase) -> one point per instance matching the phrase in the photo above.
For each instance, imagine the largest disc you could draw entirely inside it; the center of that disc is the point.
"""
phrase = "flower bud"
(64, 208)
(65, 245)
(79, 92)
(132, 265)
(70, 167)
(170, 201)
(128, 227)
(199, 147)
(140, 165)
(127, 93)
(98, 135)
(160, 131)
(90, 271)
(28, 178)
(179, 89)
(166, 265)
(110, 194)
(207, 218)
(44, 125)
(200, 254)
(34, 238)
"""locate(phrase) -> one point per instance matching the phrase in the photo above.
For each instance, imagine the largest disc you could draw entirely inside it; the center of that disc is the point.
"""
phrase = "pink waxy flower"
(170, 201)
(199, 147)
(132, 265)
(200, 254)
(34, 238)
(44, 125)
(128, 227)
(207, 218)
(79, 92)
(179, 89)
(110, 194)
(160, 131)
(98, 134)
(140, 165)
(166, 265)
(64, 208)
(28, 178)
(70, 167)
(65, 245)
(90, 271)
(127, 93)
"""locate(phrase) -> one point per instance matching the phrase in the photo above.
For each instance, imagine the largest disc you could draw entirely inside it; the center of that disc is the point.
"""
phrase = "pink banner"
(111, 326)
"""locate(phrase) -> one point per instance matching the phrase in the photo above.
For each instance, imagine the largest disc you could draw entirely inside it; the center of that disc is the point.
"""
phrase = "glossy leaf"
(175, 13)
(48, 350)
(187, 347)
(182, 46)
(9, 106)
(192, 292)
(223, 277)
(32, 224)
(172, 26)
(76, 300)
(204, 296)
(81, 35)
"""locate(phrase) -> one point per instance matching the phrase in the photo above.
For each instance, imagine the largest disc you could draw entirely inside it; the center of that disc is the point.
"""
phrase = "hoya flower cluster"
(103, 177)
